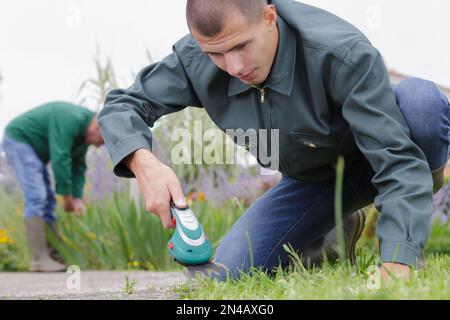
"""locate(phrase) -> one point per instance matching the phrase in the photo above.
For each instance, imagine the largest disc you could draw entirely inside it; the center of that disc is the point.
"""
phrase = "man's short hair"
(208, 16)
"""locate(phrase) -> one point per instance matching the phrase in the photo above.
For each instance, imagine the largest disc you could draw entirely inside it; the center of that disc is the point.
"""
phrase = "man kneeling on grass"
(318, 80)
(58, 132)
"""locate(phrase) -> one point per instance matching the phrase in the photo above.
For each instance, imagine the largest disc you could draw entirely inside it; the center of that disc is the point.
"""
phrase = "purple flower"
(441, 204)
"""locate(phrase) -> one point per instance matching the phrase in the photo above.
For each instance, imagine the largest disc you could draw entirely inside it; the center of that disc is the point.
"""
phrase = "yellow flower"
(201, 196)
(134, 264)
(4, 238)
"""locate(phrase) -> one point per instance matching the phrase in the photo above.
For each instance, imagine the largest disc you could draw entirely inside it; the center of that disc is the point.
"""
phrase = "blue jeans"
(33, 178)
(299, 212)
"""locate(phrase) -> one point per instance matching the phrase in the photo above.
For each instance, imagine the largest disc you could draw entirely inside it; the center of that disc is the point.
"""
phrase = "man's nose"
(234, 65)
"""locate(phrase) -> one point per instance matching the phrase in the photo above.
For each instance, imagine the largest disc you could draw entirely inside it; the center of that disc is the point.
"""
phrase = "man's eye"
(241, 46)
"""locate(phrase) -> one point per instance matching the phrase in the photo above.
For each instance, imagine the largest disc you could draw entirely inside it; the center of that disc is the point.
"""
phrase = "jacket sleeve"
(160, 89)
(402, 176)
(61, 140)
(79, 168)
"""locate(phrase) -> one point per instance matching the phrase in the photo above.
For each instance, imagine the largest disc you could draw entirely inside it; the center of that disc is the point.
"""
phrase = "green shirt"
(57, 132)
(328, 94)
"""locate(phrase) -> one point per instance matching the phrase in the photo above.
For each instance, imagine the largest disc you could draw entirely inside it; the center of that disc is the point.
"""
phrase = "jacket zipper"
(262, 92)
(263, 100)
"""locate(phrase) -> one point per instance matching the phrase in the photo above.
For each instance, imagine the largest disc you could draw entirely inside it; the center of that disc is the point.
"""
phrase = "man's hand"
(75, 206)
(69, 204)
(391, 270)
(79, 207)
(158, 183)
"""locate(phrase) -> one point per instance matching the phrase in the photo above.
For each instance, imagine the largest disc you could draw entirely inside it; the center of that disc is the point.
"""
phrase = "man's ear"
(270, 17)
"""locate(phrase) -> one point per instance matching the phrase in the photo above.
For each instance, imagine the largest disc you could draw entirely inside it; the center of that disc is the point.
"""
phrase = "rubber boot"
(40, 259)
(54, 254)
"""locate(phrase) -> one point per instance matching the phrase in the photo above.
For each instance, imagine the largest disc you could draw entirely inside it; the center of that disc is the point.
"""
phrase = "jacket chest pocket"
(309, 151)
(312, 141)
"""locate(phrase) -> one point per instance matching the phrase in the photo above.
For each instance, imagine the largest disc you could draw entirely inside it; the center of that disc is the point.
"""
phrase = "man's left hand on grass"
(390, 270)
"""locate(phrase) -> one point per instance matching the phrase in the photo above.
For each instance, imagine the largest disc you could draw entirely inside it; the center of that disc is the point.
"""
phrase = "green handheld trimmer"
(189, 245)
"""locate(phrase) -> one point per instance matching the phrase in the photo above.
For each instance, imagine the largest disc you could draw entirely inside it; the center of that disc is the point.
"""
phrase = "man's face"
(244, 49)
(97, 138)
(94, 135)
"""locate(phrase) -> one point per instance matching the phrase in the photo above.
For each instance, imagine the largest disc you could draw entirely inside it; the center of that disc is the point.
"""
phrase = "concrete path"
(109, 285)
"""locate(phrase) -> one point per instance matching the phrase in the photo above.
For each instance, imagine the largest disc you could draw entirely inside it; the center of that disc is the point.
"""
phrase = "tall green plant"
(96, 88)
(338, 208)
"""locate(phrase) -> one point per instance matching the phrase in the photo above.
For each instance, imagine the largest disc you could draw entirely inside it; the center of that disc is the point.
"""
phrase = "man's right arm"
(159, 89)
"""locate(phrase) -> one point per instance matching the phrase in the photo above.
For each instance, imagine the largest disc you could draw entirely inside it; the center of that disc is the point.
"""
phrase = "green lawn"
(335, 281)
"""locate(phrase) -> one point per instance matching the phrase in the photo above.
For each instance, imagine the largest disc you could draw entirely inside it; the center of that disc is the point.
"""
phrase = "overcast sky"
(46, 46)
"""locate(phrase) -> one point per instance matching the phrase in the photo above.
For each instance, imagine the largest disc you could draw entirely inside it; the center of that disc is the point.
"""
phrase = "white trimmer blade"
(208, 270)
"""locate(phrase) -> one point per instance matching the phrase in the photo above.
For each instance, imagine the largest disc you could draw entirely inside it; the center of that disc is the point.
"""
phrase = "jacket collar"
(281, 77)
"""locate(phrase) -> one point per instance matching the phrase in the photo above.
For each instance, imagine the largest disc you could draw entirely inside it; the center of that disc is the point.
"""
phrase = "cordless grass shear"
(189, 245)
